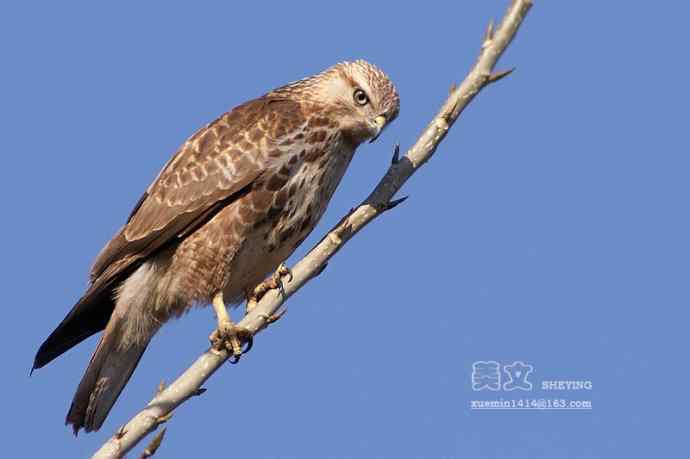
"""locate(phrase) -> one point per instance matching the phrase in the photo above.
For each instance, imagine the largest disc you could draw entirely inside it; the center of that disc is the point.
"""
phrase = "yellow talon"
(228, 335)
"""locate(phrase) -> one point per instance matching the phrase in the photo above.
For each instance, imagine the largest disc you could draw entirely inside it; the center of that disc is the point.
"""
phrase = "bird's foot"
(228, 336)
(274, 282)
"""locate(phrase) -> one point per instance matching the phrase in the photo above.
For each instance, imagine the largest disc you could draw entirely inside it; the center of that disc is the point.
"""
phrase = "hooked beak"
(380, 122)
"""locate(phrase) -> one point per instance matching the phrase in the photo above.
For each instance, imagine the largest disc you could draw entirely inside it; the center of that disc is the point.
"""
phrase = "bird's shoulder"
(213, 166)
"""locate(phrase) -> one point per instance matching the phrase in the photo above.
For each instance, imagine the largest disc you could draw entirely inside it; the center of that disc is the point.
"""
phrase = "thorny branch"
(496, 40)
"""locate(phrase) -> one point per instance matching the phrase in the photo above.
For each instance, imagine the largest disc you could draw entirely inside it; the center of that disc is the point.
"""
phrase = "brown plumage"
(233, 203)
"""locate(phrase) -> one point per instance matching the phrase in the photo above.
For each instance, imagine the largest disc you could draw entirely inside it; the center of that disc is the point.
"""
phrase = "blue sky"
(550, 228)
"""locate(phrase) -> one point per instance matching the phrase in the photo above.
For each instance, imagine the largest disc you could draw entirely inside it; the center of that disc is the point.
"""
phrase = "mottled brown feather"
(232, 203)
(173, 207)
(178, 198)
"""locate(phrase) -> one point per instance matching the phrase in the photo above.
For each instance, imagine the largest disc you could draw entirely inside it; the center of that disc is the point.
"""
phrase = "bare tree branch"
(189, 384)
(154, 445)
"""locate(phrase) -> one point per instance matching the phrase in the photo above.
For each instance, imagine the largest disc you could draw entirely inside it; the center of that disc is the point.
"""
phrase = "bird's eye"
(361, 97)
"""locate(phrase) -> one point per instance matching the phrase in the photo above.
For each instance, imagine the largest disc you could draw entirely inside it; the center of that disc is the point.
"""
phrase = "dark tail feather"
(90, 315)
(107, 374)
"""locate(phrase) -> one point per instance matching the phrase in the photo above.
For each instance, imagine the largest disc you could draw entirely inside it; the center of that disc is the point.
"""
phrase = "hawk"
(227, 209)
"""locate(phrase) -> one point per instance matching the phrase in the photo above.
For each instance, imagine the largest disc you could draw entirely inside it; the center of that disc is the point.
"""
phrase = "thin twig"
(151, 449)
(188, 384)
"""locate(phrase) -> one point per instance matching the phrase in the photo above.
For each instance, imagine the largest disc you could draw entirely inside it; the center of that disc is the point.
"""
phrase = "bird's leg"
(228, 335)
(275, 281)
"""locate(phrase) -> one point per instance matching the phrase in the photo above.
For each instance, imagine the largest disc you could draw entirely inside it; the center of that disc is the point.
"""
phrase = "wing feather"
(218, 163)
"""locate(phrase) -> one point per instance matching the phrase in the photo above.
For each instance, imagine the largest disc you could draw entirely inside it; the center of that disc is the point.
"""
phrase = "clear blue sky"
(551, 227)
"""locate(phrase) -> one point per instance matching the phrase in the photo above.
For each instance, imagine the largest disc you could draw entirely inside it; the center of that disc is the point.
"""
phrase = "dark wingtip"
(39, 361)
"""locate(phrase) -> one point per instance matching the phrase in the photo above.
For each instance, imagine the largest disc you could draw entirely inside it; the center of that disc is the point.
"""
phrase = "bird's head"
(357, 94)
(364, 97)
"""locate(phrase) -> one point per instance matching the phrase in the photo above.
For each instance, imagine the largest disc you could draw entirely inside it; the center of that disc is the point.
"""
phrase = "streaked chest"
(294, 211)
(309, 190)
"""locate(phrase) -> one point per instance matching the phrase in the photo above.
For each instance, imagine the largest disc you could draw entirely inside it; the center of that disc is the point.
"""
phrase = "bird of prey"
(226, 210)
